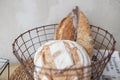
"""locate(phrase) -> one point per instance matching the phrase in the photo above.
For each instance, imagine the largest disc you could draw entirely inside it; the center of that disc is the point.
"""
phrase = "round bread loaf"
(59, 60)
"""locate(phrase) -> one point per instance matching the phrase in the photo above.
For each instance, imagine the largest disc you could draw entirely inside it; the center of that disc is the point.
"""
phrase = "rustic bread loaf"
(76, 27)
(66, 29)
(61, 55)
(84, 34)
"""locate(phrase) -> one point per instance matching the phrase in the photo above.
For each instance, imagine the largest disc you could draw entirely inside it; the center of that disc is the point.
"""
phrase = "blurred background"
(17, 16)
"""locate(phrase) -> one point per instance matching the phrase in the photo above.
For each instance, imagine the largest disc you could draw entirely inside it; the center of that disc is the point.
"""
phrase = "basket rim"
(13, 44)
(43, 26)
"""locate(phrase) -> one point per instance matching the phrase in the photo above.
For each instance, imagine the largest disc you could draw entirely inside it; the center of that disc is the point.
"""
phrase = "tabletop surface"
(3, 64)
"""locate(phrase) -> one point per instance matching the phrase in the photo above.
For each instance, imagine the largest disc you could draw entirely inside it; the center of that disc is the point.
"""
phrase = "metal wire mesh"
(26, 44)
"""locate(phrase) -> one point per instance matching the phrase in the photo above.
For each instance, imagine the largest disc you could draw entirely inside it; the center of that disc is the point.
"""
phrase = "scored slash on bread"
(76, 27)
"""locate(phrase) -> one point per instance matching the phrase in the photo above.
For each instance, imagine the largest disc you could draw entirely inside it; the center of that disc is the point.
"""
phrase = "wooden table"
(4, 65)
(12, 68)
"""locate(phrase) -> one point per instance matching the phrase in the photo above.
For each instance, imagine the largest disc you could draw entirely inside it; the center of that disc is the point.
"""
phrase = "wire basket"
(26, 44)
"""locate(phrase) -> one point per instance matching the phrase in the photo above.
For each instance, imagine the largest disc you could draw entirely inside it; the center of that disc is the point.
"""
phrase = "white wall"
(17, 16)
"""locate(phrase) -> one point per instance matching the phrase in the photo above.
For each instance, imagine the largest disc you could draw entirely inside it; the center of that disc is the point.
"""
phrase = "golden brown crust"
(78, 30)
(84, 34)
(65, 30)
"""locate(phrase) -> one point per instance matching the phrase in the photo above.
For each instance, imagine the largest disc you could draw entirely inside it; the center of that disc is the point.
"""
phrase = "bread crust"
(76, 27)
(84, 34)
(65, 30)
(48, 69)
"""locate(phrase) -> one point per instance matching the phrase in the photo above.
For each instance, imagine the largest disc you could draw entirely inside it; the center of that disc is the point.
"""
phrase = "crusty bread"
(76, 27)
(65, 30)
(61, 55)
(84, 34)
